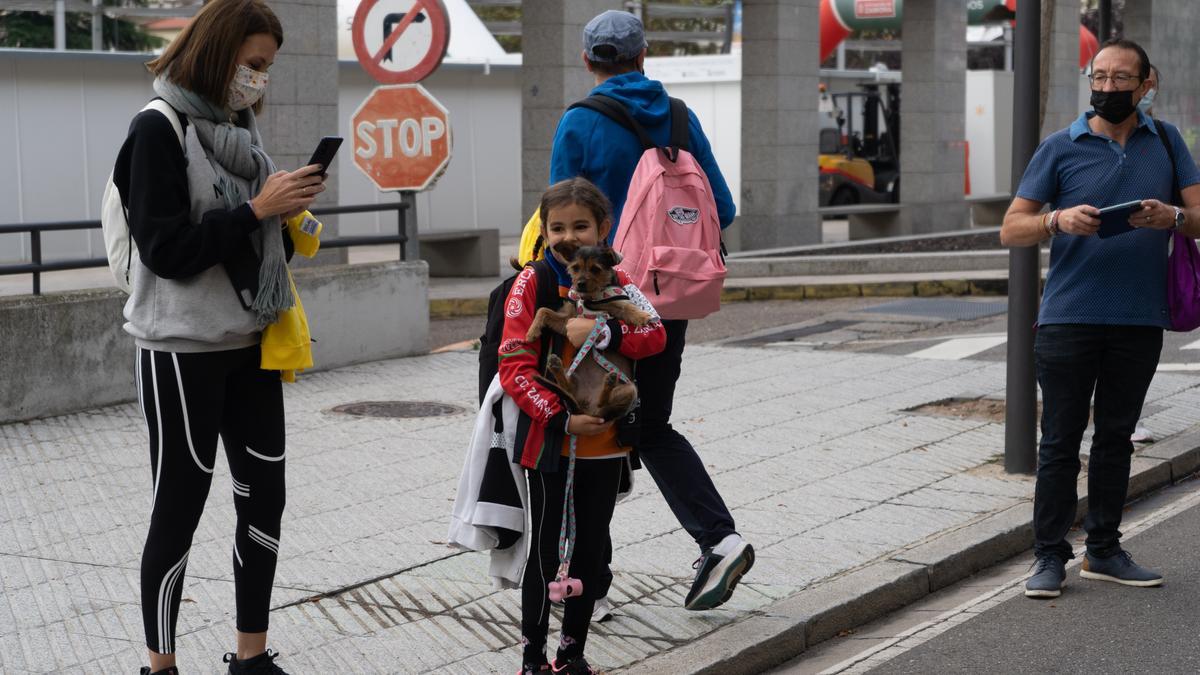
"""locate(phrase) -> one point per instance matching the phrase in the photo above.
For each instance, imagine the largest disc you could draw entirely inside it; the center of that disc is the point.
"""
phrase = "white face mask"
(247, 87)
(1147, 101)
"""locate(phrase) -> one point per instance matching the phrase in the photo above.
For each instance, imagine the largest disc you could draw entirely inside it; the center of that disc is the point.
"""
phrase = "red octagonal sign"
(401, 137)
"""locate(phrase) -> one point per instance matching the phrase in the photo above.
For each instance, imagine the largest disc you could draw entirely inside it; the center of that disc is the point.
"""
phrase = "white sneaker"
(718, 571)
(602, 611)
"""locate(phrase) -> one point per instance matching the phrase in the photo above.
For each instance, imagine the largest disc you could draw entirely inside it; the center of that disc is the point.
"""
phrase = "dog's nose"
(581, 286)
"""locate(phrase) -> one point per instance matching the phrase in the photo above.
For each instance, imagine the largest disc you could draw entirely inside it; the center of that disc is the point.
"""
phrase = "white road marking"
(1178, 367)
(912, 638)
(1192, 345)
(960, 348)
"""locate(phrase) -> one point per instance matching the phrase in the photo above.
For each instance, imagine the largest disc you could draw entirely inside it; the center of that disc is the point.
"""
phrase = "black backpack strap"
(1176, 196)
(547, 284)
(615, 111)
(679, 125)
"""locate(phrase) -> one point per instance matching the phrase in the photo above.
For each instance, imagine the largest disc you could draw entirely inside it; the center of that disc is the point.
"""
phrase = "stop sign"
(401, 137)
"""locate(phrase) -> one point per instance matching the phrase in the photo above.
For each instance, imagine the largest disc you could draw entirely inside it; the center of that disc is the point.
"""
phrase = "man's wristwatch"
(1180, 218)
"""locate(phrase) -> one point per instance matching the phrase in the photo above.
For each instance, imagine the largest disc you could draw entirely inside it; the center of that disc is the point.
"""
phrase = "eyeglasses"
(1120, 79)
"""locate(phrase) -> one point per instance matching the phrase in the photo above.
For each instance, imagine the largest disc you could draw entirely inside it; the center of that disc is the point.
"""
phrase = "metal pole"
(97, 25)
(1024, 273)
(35, 256)
(406, 211)
(1105, 20)
(60, 25)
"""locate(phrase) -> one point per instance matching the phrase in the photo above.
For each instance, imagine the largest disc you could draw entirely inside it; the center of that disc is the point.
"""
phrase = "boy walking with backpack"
(603, 140)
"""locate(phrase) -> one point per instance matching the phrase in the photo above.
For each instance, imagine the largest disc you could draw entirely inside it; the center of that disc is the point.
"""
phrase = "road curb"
(447, 308)
(786, 629)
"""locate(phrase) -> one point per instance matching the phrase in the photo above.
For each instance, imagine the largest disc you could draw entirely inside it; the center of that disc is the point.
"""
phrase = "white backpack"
(114, 221)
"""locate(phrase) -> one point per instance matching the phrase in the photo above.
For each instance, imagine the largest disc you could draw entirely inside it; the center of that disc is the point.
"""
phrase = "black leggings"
(596, 482)
(187, 400)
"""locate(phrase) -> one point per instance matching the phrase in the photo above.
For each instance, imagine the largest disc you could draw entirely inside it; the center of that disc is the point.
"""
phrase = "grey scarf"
(236, 157)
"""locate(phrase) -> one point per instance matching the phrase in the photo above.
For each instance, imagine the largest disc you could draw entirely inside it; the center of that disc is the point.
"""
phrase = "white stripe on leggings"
(158, 418)
(187, 427)
(164, 605)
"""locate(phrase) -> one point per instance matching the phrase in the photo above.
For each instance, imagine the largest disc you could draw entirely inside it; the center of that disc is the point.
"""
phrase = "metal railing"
(36, 266)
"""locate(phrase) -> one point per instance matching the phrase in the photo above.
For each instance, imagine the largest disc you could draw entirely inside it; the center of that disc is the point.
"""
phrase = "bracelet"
(1046, 224)
(1054, 222)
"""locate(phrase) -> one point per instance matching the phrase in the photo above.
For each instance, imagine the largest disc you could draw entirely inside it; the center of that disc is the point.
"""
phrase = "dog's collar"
(609, 295)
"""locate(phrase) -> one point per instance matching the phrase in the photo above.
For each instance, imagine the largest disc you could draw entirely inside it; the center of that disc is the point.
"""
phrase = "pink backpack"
(669, 234)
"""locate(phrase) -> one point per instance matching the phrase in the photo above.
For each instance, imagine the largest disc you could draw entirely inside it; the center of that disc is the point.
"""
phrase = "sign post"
(400, 133)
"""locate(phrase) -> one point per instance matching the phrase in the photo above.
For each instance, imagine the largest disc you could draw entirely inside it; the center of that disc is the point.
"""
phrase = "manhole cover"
(941, 308)
(399, 409)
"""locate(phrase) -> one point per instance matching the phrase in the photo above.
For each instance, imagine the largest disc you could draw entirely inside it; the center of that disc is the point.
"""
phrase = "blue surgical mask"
(1147, 101)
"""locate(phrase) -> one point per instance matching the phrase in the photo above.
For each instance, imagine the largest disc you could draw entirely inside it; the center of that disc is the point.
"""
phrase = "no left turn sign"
(400, 41)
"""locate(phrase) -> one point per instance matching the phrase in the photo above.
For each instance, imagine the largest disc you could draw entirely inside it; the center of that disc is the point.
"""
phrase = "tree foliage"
(35, 30)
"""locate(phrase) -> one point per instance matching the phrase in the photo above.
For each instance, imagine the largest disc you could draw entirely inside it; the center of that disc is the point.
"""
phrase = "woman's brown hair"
(203, 57)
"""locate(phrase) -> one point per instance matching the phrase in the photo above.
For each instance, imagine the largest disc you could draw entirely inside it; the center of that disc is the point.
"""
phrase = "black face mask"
(1114, 106)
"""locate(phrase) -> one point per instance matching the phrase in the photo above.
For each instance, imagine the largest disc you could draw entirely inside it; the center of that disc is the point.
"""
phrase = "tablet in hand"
(1114, 219)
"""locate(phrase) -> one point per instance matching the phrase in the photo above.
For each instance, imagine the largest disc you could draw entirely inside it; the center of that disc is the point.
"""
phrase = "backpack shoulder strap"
(615, 111)
(168, 112)
(1176, 197)
(679, 125)
(547, 284)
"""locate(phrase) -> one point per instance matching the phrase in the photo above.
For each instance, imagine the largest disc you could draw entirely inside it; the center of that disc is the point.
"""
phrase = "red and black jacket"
(542, 425)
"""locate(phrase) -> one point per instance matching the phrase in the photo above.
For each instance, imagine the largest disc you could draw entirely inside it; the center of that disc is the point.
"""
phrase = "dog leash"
(566, 533)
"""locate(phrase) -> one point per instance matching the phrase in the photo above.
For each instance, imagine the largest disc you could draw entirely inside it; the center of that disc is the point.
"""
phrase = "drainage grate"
(405, 409)
(941, 308)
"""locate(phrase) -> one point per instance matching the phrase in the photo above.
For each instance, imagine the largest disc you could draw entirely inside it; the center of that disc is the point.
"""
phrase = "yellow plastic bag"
(287, 343)
(529, 236)
(306, 234)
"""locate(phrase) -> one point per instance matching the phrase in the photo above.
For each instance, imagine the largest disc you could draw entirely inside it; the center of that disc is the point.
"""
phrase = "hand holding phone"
(325, 152)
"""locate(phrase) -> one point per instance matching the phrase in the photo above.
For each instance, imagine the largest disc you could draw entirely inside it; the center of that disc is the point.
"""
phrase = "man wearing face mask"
(1104, 308)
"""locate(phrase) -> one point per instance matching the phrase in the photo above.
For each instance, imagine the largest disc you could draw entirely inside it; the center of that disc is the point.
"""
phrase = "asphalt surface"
(1094, 627)
(854, 324)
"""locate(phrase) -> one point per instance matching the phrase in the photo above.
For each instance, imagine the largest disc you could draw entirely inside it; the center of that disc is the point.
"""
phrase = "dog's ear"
(567, 249)
(611, 257)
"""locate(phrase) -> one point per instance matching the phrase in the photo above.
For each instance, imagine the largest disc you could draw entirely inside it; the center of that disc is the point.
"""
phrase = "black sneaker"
(1048, 579)
(576, 666)
(263, 664)
(170, 670)
(1119, 568)
(718, 571)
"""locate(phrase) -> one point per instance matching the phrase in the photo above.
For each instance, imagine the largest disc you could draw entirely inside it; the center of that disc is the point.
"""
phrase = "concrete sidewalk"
(854, 505)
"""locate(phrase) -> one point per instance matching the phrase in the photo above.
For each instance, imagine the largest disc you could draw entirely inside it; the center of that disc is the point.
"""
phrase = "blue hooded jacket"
(591, 145)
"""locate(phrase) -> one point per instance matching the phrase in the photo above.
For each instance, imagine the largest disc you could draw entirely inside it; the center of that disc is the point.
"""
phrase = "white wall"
(989, 130)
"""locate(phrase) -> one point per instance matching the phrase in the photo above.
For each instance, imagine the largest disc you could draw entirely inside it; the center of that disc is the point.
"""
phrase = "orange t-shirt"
(602, 445)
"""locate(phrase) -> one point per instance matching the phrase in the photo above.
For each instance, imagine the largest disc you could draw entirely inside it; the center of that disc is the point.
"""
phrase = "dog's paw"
(534, 334)
(638, 318)
(553, 362)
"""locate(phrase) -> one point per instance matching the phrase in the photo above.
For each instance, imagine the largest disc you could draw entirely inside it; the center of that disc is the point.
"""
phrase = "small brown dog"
(591, 389)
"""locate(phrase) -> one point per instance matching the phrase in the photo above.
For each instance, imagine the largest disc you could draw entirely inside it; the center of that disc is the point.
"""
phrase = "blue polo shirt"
(1120, 280)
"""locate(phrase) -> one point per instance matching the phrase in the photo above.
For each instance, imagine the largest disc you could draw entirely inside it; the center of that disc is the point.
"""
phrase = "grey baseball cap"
(613, 36)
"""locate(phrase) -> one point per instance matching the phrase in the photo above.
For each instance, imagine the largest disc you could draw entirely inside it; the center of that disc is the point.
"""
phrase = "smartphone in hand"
(325, 152)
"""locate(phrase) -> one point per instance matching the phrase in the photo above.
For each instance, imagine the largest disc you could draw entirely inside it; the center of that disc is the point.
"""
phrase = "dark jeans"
(668, 456)
(1117, 363)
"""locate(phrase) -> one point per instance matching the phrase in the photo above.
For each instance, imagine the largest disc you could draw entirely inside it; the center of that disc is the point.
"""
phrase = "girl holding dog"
(574, 214)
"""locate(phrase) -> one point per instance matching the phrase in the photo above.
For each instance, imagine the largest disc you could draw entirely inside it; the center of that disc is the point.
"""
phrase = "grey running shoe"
(1048, 578)
(718, 571)
(1119, 568)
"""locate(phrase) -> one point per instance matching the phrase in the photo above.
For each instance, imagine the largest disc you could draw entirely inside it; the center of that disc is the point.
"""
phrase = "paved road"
(1094, 627)
(950, 329)
(985, 625)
